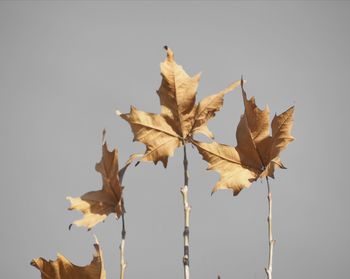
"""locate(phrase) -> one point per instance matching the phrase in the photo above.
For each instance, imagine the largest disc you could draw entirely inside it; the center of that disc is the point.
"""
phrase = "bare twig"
(187, 209)
(272, 242)
(122, 245)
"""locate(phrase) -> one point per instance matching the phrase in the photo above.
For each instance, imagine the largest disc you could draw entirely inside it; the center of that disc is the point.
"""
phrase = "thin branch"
(122, 245)
(272, 242)
(187, 209)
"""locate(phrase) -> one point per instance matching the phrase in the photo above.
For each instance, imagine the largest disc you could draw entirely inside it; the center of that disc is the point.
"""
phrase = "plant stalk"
(122, 245)
(272, 242)
(187, 209)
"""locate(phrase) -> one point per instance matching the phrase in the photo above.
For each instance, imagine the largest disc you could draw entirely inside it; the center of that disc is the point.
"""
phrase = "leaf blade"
(226, 161)
(62, 268)
(155, 132)
(97, 205)
(207, 107)
(177, 94)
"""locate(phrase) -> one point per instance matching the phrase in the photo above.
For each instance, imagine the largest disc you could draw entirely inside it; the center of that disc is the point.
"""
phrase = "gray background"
(66, 66)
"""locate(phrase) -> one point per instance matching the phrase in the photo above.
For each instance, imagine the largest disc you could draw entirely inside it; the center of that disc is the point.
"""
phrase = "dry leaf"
(180, 117)
(226, 160)
(97, 205)
(154, 131)
(62, 268)
(256, 154)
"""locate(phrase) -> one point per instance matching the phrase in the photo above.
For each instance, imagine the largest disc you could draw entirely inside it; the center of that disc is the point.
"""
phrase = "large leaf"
(180, 117)
(62, 268)
(256, 154)
(97, 205)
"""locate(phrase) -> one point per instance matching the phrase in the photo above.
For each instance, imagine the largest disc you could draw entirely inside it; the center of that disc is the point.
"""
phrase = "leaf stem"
(185, 162)
(187, 209)
(272, 242)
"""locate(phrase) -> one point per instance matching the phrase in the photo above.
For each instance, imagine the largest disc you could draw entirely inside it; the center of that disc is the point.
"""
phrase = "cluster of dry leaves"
(256, 154)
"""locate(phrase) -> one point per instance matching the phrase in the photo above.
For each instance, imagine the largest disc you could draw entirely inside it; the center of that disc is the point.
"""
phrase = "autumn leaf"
(62, 268)
(256, 154)
(180, 116)
(97, 205)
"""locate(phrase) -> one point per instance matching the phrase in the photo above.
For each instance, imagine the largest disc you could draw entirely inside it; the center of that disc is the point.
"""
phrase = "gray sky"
(66, 66)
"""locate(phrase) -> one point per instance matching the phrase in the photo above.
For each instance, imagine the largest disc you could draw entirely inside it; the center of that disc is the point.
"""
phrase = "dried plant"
(180, 117)
(256, 155)
(64, 269)
(97, 205)
(179, 120)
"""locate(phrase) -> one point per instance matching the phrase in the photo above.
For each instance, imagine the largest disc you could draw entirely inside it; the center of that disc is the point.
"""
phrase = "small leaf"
(62, 268)
(97, 205)
(207, 108)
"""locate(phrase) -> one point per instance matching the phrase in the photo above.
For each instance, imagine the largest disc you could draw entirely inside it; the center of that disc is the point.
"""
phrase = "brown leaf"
(62, 268)
(155, 132)
(226, 160)
(281, 133)
(179, 119)
(177, 94)
(204, 130)
(97, 205)
(256, 154)
(207, 107)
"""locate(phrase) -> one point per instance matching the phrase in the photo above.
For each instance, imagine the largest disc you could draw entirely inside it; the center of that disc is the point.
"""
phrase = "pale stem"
(187, 209)
(122, 246)
(272, 242)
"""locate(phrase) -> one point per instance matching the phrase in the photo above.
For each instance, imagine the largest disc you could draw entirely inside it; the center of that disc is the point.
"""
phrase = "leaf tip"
(104, 136)
(70, 200)
(236, 192)
(169, 53)
(197, 77)
(164, 162)
(70, 226)
(96, 240)
(242, 80)
(214, 189)
(244, 94)
(117, 112)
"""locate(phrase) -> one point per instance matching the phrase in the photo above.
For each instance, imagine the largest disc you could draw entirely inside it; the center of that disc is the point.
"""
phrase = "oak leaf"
(180, 116)
(97, 205)
(256, 154)
(62, 268)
